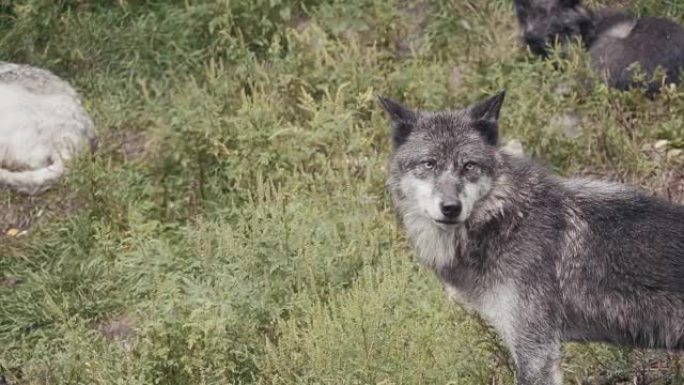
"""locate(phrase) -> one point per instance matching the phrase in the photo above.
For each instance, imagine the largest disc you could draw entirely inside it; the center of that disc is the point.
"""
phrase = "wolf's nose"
(536, 44)
(451, 209)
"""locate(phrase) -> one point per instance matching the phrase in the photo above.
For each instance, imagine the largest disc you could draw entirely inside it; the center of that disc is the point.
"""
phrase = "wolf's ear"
(485, 116)
(402, 120)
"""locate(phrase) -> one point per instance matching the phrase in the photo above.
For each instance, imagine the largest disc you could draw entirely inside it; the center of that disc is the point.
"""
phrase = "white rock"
(661, 144)
(513, 147)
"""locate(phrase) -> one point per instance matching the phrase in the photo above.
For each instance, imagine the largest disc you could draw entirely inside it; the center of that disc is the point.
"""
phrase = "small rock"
(513, 147)
(674, 153)
(661, 145)
(15, 233)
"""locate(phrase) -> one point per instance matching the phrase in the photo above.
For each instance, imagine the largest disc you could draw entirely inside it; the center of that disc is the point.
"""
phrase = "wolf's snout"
(450, 209)
(535, 43)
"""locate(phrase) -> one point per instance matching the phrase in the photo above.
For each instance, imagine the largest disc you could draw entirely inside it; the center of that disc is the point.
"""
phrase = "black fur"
(402, 119)
(619, 45)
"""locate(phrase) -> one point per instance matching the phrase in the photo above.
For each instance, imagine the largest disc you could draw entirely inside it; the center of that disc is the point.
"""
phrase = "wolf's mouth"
(446, 222)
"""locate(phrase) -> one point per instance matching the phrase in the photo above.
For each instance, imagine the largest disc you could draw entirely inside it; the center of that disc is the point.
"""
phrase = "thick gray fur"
(44, 82)
(34, 79)
(43, 124)
(620, 45)
(543, 259)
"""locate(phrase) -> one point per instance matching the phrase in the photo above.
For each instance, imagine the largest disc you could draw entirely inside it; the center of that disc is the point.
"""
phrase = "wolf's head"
(443, 163)
(545, 22)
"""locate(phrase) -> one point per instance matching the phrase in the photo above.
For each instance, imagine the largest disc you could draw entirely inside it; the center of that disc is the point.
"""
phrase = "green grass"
(235, 218)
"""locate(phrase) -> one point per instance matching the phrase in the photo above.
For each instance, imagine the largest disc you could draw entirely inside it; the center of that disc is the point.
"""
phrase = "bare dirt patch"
(119, 329)
(19, 213)
(133, 144)
(127, 142)
(9, 282)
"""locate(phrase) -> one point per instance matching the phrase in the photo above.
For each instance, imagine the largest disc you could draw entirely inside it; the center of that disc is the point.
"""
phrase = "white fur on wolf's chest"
(497, 306)
(435, 246)
(34, 128)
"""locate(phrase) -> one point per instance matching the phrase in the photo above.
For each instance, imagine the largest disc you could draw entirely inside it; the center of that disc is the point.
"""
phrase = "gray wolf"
(542, 258)
(42, 125)
(621, 47)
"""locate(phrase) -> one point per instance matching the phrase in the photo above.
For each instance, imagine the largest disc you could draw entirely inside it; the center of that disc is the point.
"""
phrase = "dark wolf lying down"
(620, 45)
(543, 259)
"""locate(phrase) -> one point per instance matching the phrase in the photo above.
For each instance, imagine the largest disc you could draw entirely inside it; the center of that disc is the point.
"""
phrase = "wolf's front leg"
(538, 363)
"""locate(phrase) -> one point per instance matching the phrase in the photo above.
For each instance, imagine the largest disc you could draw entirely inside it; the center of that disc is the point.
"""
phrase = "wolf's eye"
(470, 166)
(429, 164)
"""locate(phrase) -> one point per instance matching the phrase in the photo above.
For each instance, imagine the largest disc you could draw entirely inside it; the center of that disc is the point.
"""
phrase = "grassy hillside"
(233, 226)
